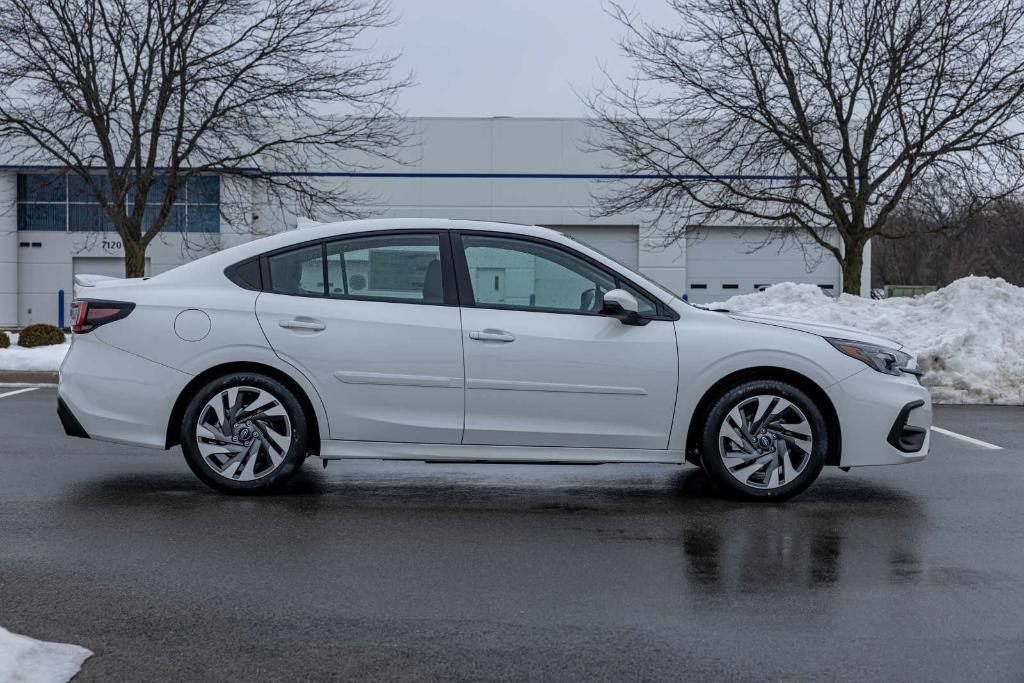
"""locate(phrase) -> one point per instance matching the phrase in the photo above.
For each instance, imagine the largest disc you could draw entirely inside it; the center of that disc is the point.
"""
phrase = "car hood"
(820, 329)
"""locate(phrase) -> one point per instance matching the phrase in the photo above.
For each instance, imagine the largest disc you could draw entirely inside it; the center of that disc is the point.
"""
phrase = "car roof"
(322, 230)
(319, 231)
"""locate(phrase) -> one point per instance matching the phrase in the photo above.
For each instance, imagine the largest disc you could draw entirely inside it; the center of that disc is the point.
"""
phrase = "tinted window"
(521, 274)
(246, 274)
(403, 267)
(513, 273)
(67, 202)
(298, 272)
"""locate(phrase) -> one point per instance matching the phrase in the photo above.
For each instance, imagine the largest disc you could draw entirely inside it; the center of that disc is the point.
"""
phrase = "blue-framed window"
(64, 202)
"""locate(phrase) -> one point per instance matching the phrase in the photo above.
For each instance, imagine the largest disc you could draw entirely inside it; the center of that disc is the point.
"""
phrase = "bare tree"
(815, 118)
(137, 97)
(938, 248)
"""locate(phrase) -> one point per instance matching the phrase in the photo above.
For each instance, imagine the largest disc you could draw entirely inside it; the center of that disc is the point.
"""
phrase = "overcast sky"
(505, 57)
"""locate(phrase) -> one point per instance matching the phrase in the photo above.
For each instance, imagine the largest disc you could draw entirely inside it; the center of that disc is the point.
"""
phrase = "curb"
(27, 377)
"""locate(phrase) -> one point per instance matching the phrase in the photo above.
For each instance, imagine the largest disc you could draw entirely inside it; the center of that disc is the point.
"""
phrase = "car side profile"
(448, 340)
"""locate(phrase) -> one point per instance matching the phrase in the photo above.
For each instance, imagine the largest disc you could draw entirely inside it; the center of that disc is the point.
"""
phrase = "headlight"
(881, 358)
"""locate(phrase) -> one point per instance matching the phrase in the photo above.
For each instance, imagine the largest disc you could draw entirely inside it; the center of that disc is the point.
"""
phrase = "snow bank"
(40, 358)
(968, 337)
(24, 660)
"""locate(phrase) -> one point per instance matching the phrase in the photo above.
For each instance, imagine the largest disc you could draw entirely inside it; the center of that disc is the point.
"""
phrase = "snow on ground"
(44, 358)
(24, 660)
(968, 337)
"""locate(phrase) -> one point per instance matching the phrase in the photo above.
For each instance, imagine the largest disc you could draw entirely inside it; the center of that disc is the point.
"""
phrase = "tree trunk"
(134, 259)
(851, 265)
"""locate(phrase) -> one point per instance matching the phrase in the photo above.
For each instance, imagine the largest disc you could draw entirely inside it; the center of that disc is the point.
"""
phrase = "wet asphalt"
(388, 571)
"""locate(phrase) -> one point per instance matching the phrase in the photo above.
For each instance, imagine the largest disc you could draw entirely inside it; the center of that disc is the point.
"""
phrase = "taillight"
(87, 315)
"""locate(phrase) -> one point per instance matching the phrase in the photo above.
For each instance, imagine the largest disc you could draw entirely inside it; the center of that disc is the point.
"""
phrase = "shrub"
(40, 334)
(5, 341)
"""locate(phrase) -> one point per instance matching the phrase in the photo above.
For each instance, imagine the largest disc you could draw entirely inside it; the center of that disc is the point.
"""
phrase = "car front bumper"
(885, 420)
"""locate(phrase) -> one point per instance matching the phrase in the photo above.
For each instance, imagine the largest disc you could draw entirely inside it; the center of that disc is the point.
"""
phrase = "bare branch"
(813, 118)
(154, 92)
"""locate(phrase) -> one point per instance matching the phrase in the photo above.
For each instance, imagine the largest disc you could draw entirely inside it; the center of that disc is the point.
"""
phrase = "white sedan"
(421, 339)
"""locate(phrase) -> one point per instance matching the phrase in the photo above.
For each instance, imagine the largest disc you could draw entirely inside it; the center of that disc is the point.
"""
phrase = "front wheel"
(244, 433)
(764, 439)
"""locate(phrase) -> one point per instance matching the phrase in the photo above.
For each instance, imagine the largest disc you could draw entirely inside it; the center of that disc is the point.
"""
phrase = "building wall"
(534, 171)
(8, 252)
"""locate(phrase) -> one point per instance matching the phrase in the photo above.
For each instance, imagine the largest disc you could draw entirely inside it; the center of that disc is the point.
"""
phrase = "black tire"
(269, 475)
(742, 398)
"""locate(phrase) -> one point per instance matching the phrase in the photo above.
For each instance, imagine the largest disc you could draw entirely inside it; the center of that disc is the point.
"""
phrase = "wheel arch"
(813, 389)
(200, 380)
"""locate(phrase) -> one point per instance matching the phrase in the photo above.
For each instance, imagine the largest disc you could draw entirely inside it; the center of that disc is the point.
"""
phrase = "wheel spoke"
(226, 400)
(216, 406)
(276, 456)
(801, 428)
(220, 449)
(738, 437)
(803, 444)
(235, 397)
(765, 405)
(773, 473)
(233, 464)
(274, 439)
(274, 409)
(208, 431)
(788, 471)
(249, 463)
(744, 473)
(741, 459)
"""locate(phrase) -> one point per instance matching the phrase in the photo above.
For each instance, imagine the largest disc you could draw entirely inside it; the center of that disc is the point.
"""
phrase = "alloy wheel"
(765, 441)
(243, 433)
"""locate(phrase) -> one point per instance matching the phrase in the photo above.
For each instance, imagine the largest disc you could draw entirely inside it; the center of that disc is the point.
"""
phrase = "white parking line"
(19, 391)
(968, 439)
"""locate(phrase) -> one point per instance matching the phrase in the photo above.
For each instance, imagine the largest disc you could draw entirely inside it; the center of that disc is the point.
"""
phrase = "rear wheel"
(764, 439)
(244, 433)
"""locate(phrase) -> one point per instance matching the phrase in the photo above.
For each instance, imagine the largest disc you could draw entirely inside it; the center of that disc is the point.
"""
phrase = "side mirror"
(620, 304)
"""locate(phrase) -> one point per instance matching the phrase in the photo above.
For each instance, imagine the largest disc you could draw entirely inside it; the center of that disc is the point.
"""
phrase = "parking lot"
(409, 570)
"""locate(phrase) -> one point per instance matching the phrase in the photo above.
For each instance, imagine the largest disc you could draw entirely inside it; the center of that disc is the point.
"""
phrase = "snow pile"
(40, 358)
(968, 337)
(24, 660)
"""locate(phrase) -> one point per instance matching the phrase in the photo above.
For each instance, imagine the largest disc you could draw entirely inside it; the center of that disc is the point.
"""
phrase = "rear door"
(373, 321)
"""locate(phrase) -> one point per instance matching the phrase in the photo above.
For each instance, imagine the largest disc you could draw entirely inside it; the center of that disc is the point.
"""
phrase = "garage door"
(621, 242)
(720, 264)
(101, 265)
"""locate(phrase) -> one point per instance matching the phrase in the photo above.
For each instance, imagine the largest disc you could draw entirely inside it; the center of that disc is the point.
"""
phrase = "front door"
(372, 323)
(544, 367)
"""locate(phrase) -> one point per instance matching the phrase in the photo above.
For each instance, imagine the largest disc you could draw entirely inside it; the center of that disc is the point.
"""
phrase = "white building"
(532, 171)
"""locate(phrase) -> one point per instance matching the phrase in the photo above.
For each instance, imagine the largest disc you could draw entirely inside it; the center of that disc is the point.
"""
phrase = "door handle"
(296, 324)
(492, 335)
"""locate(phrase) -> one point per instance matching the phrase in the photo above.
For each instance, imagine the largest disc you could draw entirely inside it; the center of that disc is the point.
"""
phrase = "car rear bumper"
(72, 427)
(885, 420)
(108, 394)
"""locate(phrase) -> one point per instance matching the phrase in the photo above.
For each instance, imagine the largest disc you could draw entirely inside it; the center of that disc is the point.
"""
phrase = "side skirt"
(382, 450)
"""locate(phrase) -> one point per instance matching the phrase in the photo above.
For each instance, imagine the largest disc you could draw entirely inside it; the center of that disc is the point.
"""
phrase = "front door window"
(525, 275)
